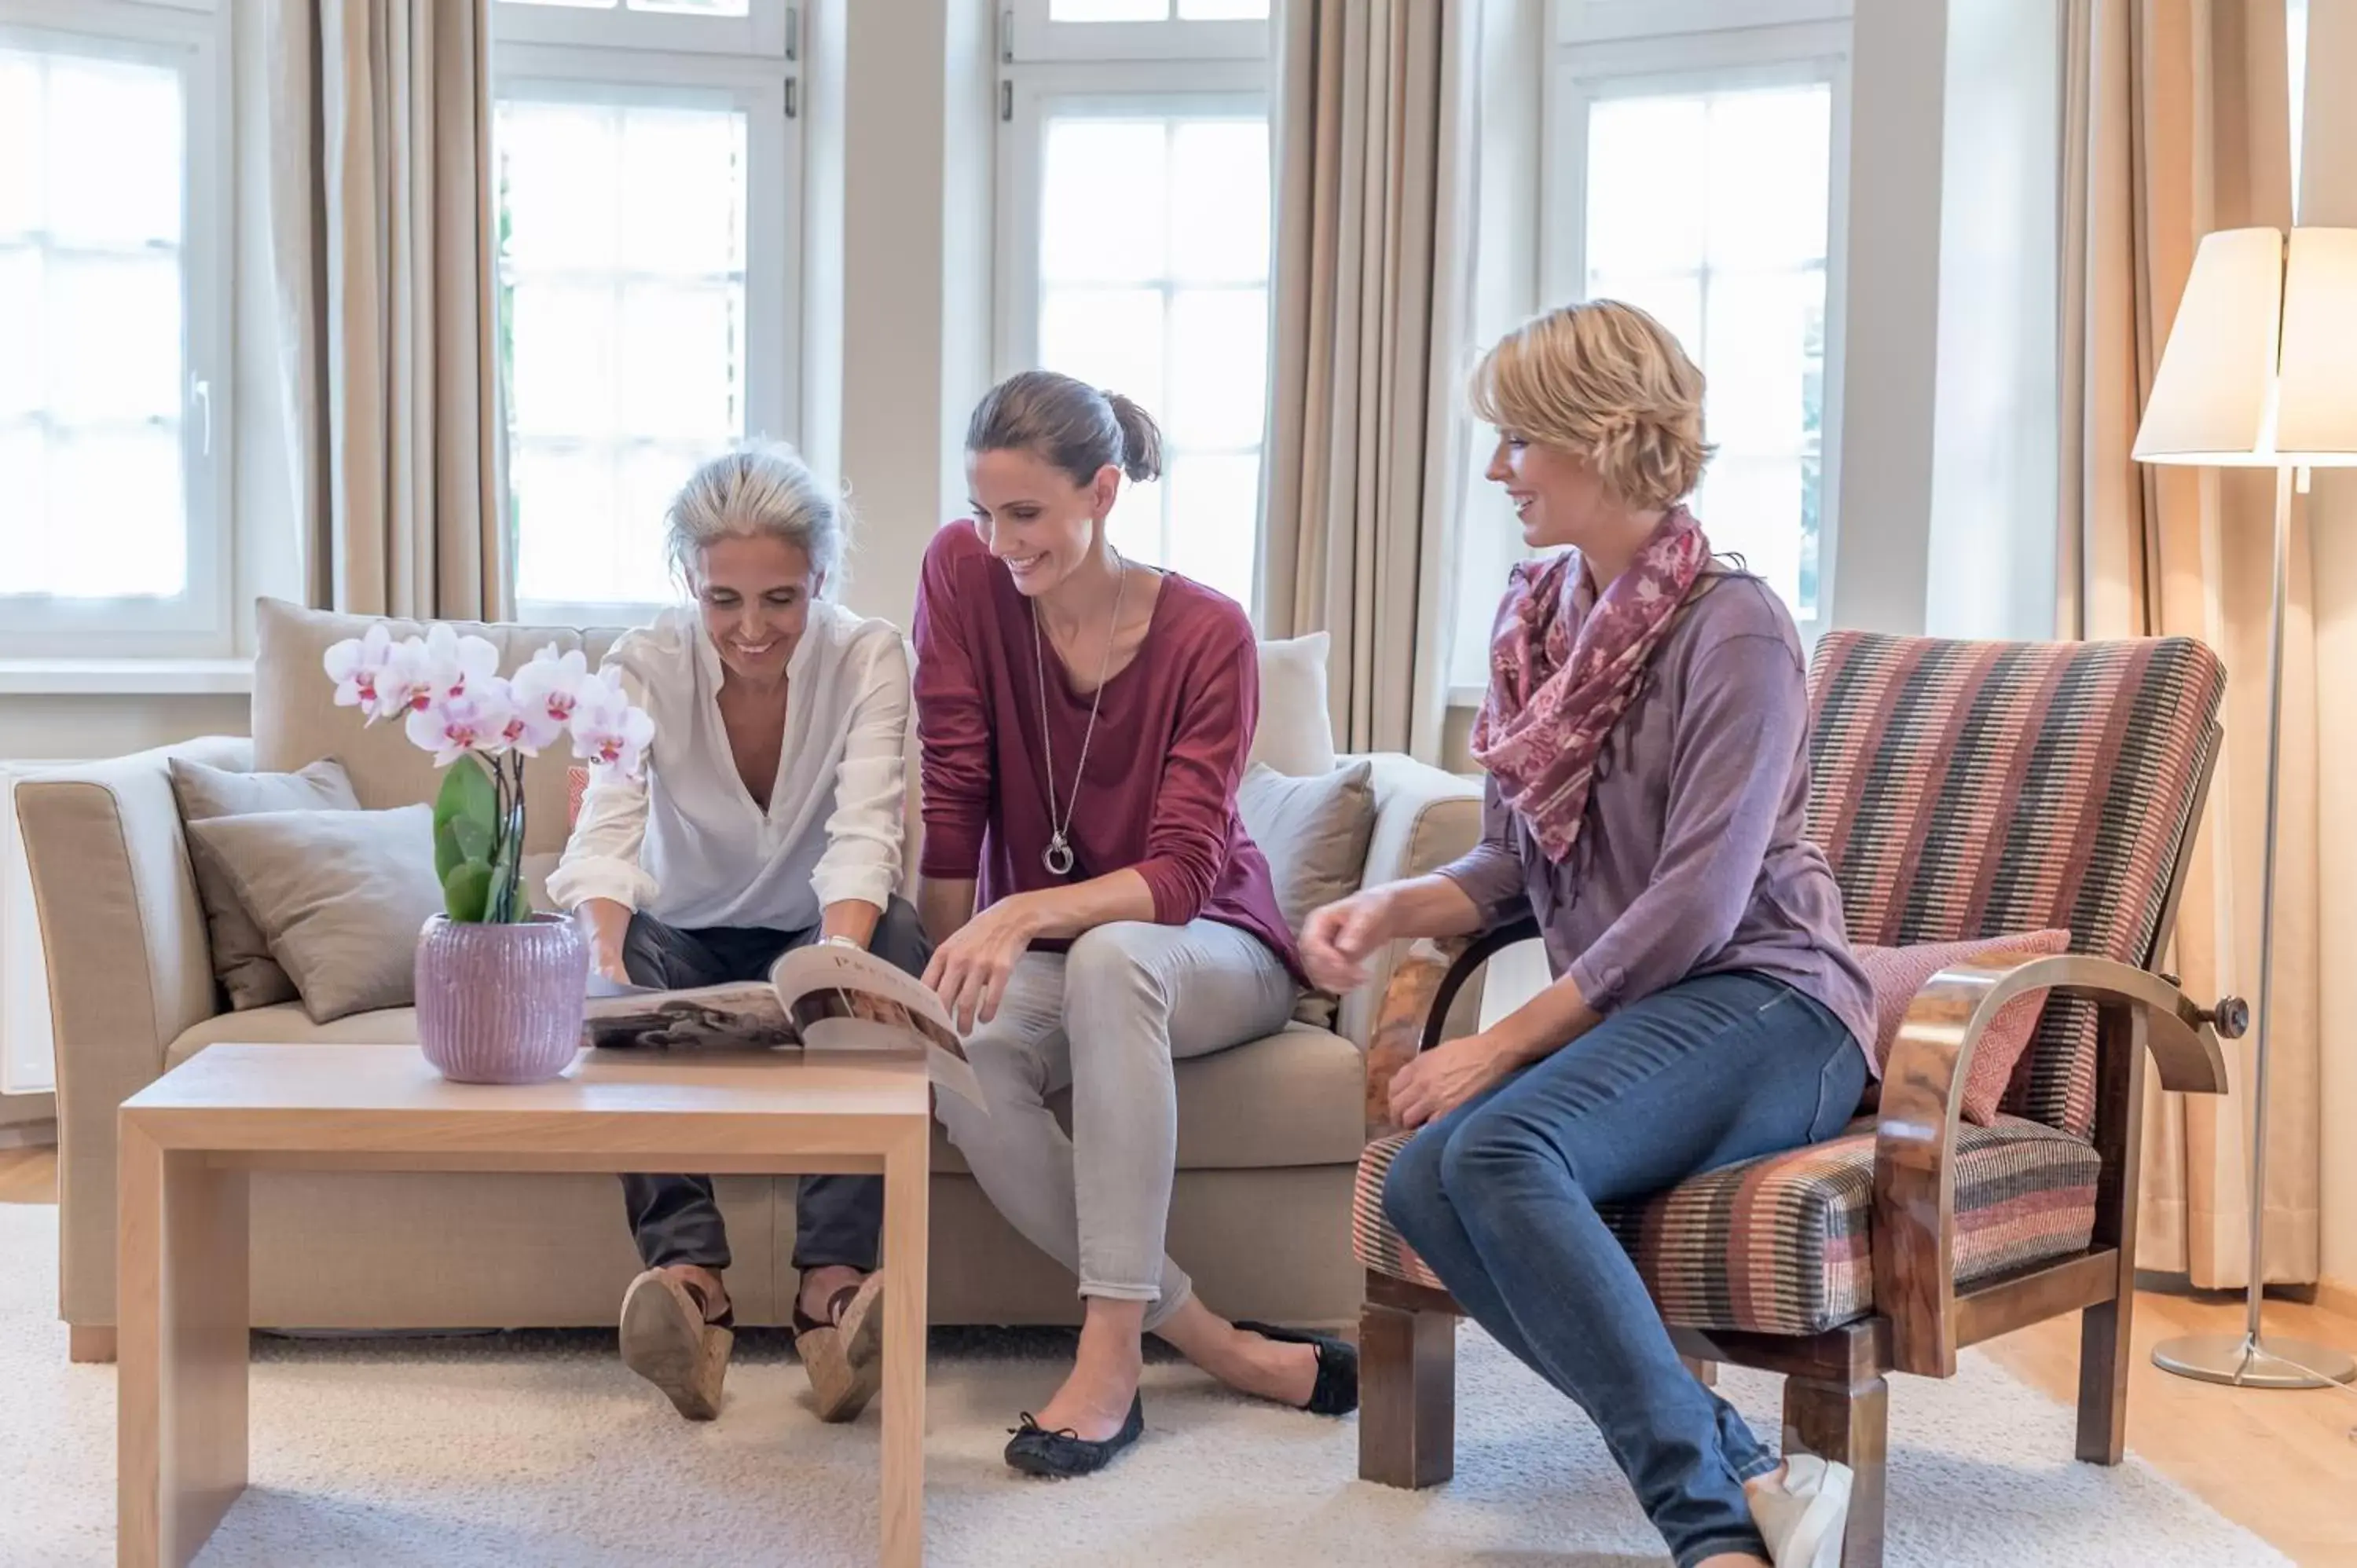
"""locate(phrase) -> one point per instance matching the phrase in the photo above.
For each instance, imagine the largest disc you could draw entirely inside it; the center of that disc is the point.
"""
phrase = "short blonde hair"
(1608, 383)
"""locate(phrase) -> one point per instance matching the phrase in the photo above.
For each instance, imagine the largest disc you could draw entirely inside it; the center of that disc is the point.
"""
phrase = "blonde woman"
(1645, 735)
(770, 818)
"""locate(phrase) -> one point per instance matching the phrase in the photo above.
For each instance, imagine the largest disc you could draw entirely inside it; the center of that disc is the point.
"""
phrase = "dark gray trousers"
(838, 1220)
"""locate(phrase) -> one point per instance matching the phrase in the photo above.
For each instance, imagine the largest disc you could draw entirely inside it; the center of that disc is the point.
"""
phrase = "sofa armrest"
(129, 971)
(1424, 818)
(1923, 1094)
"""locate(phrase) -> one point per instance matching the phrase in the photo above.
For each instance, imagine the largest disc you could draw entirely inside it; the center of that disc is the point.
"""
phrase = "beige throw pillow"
(241, 959)
(340, 895)
(1315, 834)
(1296, 734)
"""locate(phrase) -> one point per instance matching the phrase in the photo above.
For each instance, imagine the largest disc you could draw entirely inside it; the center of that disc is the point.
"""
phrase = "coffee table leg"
(181, 1303)
(907, 1173)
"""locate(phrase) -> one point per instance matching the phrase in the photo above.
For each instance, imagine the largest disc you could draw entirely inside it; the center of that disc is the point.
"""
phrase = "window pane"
(1215, 521)
(1167, 302)
(1219, 363)
(1108, 337)
(1222, 10)
(1083, 238)
(695, 7)
(1108, 10)
(1219, 200)
(622, 273)
(1710, 209)
(93, 483)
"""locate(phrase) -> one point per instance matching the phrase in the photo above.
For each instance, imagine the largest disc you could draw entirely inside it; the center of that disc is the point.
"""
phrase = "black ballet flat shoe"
(1336, 1392)
(1064, 1454)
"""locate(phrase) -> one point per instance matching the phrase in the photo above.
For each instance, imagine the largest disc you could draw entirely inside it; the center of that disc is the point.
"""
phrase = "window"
(647, 177)
(1135, 246)
(1698, 176)
(114, 318)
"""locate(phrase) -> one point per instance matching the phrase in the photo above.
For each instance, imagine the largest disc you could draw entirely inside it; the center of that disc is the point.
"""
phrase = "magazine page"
(745, 1016)
(843, 998)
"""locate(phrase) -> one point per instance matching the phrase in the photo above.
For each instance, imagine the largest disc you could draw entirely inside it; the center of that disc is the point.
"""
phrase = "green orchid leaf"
(467, 891)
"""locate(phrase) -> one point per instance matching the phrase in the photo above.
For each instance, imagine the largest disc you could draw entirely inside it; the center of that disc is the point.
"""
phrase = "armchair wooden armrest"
(1922, 1092)
(1415, 1006)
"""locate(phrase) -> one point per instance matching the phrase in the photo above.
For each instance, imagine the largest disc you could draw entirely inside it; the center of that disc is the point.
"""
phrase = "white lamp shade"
(2260, 370)
(2317, 396)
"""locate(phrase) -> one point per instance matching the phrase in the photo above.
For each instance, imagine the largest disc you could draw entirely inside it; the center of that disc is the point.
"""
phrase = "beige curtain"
(2176, 122)
(381, 238)
(1373, 286)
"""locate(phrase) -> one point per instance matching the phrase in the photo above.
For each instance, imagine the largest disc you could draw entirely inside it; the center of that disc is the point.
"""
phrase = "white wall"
(916, 322)
(1990, 555)
(1884, 495)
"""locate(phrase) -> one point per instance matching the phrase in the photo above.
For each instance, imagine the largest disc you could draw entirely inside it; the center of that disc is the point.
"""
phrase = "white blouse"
(689, 846)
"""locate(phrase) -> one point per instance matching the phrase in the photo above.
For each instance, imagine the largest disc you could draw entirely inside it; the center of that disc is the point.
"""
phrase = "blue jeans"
(838, 1220)
(1499, 1197)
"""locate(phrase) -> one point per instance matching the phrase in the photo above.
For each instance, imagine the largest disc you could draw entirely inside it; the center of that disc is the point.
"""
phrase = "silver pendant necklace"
(1057, 855)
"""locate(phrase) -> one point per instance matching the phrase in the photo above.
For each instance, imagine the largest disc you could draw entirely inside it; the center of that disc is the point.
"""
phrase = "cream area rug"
(540, 1448)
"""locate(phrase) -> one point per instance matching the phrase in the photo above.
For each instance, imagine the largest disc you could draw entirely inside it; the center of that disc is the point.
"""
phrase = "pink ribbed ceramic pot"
(501, 1004)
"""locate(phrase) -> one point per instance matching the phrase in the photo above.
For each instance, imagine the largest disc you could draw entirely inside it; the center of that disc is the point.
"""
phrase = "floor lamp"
(2261, 373)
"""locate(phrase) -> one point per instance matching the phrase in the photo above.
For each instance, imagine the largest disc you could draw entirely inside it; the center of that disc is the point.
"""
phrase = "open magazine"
(829, 997)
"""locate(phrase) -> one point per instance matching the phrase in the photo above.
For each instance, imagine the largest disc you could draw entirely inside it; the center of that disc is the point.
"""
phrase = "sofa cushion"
(1296, 733)
(297, 722)
(340, 895)
(287, 1025)
(1314, 831)
(1780, 1244)
(240, 954)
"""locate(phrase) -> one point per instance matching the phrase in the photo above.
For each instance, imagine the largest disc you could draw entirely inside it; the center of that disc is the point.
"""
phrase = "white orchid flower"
(609, 733)
(453, 662)
(474, 719)
(546, 693)
(357, 665)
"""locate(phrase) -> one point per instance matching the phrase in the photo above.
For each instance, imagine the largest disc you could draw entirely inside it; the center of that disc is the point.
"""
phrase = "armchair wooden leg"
(91, 1345)
(1407, 1396)
(1848, 1424)
(1706, 1372)
(2103, 1353)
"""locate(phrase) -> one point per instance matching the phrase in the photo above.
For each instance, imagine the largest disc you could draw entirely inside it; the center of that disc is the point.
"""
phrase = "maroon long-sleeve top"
(1158, 792)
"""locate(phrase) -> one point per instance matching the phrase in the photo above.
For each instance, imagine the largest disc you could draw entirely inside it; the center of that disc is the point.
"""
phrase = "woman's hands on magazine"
(970, 968)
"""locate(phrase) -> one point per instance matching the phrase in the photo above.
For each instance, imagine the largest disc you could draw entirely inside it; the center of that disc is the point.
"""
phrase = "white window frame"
(769, 29)
(1028, 36)
(1135, 68)
(200, 622)
(1585, 73)
(764, 87)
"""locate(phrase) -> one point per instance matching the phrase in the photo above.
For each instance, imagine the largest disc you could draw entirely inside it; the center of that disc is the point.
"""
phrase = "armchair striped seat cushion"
(1778, 1245)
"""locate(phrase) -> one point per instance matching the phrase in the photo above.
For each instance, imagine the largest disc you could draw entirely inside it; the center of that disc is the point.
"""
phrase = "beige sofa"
(1269, 1133)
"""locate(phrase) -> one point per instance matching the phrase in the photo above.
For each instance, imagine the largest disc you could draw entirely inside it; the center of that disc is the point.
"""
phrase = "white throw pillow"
(1296, 730)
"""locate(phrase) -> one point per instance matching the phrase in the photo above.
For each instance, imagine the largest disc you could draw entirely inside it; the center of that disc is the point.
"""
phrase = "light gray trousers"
(1107, 1018)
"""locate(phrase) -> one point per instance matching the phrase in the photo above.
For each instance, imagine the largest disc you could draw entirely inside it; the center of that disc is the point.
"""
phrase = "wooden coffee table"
(189, 1138)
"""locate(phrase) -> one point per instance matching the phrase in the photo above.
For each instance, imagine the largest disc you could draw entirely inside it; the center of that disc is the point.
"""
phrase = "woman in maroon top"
(1084, 723)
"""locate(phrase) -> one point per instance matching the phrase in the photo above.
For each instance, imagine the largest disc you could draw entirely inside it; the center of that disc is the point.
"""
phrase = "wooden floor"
(2283, 1464)
(28, 1176)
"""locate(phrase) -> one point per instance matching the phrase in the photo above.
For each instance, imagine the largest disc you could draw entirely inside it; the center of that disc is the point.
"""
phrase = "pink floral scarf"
(1553, 698)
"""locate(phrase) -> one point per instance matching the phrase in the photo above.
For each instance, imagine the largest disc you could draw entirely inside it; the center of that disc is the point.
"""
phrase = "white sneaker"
(1803, 1515)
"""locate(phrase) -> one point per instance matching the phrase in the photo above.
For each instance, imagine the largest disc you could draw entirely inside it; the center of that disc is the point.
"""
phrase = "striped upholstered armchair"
(1961, 790)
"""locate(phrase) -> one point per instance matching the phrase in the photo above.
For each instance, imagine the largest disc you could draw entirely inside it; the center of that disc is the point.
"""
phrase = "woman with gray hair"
(770, 819)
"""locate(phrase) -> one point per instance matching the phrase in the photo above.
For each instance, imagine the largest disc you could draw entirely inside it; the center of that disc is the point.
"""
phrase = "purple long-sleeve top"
(1158, 792)
(1692, 859)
